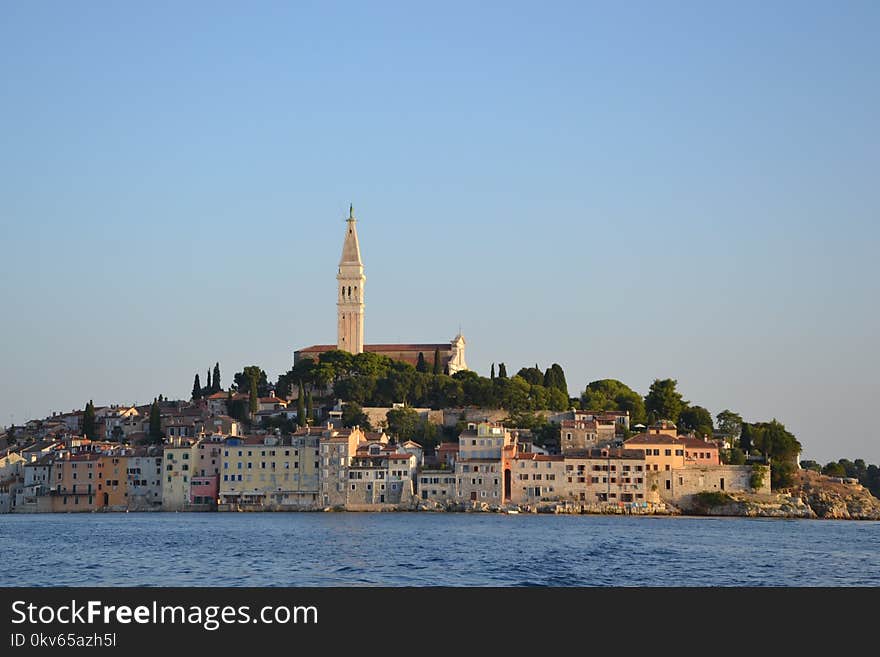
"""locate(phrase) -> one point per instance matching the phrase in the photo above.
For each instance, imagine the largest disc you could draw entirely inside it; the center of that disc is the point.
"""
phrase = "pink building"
(204, 490)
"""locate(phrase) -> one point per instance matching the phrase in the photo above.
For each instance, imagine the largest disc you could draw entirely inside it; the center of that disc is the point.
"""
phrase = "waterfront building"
(437, 486)
(536, 477)
(177, 471)
(605, 475)
(75, 483)
(113, 480)
(337, 449)
(144, 475)
(270, 472)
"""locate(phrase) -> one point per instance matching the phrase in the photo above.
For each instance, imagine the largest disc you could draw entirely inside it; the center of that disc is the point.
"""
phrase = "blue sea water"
(432, 549)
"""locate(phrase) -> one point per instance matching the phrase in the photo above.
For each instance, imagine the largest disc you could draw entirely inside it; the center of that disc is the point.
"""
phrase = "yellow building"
(178, 468)
(270, 472)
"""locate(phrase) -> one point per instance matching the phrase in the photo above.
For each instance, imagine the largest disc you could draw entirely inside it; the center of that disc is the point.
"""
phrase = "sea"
(432, 549)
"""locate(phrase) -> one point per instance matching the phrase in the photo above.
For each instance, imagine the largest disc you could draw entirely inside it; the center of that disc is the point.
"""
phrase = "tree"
(309, 409)
(696, 419)
(554, 377)
(253, 397)
(438, 367)
(532, 375)
(353, 416)
(733, 456)
(492, 372)
(779, 446)
(89, 427)
(216, 383)
(421, 365)
(729, 423)
(502, 371)
(833, 469)
(403, 423)
(209, 389)
(197, 389)
(612, 395)
(243, 380)
(155, 432)
(663, 401)
(301, 406)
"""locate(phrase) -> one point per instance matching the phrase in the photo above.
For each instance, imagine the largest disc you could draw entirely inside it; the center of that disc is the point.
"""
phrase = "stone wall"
(680, 484)
(378, 415)
(451, 416)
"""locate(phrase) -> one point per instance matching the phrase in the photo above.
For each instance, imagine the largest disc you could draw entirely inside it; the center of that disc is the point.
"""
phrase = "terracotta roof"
(652, 439)
(271, 400)
(374, 348)
(448, 447)
(687, 441)
(635, 454)
(528, 456)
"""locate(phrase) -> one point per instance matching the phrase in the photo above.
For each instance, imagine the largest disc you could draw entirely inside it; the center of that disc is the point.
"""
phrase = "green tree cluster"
(372, 380)
(612, 395)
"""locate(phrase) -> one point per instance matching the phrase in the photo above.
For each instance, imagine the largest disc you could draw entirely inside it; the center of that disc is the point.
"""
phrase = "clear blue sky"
(633, 190)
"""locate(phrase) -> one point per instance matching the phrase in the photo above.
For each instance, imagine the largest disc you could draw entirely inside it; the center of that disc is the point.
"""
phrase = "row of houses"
(321, 467)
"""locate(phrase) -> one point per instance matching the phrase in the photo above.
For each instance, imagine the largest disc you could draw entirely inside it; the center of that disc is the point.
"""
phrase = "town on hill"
(354, 426)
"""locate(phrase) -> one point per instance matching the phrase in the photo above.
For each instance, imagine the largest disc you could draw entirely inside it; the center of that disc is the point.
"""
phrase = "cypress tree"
(301, 406)
(155, 423)
(197, 388)
(208, 388)
(492, 372)
(216, 387)
(421, 365)
(89, 430)
(437, 367)
(502, 371)
(253, 400)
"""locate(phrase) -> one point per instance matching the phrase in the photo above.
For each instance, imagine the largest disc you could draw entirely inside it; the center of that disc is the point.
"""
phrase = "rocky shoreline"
(814, 497)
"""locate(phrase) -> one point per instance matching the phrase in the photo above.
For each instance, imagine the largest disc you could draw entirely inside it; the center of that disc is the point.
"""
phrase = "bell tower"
(350, 291)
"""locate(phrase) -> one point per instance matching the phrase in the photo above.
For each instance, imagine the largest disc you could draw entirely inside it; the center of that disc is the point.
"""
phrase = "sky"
(632, 190)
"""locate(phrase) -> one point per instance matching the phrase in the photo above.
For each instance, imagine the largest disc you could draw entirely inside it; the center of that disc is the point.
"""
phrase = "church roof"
(351, 250)
(373, 348)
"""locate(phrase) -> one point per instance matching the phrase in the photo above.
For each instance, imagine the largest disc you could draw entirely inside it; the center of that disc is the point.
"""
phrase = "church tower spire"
(350, 291)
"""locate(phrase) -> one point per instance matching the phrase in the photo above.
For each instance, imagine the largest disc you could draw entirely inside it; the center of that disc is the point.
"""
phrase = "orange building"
(113, 481)
(662, 451)
(75, 482)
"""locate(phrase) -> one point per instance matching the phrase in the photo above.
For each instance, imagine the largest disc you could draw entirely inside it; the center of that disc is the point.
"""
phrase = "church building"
(350, 281)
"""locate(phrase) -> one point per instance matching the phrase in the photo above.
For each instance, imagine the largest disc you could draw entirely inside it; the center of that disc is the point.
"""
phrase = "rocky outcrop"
(814, 496)
(753, 506)
(833, 499)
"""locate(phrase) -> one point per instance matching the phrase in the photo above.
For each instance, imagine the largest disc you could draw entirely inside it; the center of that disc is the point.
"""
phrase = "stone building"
(536, 477)
(437, 486)
(578, 435)
(350, 282)
(681, 484)
(605, 476)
